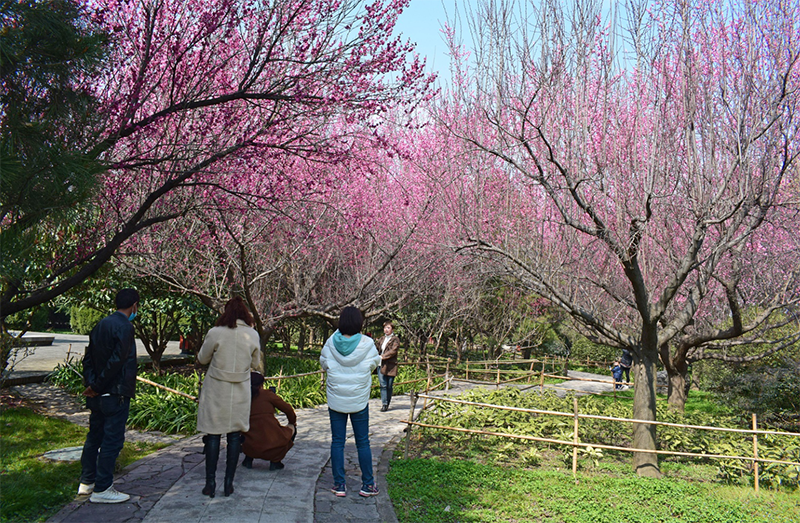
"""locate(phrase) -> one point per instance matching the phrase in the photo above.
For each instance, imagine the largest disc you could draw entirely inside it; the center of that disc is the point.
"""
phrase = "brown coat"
(389, 355)
(267, 438)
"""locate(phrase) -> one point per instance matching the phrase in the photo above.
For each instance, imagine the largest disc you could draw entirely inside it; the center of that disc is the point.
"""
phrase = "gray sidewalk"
(165, 486)
(36, 361)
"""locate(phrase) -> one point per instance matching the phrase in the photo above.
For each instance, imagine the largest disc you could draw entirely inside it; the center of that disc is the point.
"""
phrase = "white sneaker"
(84, 489)
(109, 495)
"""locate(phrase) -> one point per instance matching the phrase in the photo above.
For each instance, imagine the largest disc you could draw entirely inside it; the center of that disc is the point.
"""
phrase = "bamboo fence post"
(158, 385)
(428, 384)
(447, 375)
(575, 438)
(410, 418)
(531, 371)
(280, 376)
(755, 452)
(497, 384)
(541, 380)
(467, 371)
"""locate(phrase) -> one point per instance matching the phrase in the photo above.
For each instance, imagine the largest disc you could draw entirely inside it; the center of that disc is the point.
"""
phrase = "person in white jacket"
(348, 357)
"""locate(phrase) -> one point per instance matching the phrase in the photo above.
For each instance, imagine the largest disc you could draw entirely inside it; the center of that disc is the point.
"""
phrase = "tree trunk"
(644, 405)
(677, 371)
(301, 338)
(677, 390)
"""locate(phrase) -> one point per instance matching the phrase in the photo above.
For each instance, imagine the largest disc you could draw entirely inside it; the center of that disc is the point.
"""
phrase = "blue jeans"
(387, 382)
(104, 440)
(360, 422)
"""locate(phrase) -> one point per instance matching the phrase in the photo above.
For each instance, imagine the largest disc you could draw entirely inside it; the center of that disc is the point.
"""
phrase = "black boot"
(211, 450)
(247, 462)
(234, 447)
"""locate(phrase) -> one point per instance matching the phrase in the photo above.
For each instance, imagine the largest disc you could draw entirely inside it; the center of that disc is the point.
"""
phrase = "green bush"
(83, 319)
(32, 320)
(772, 391)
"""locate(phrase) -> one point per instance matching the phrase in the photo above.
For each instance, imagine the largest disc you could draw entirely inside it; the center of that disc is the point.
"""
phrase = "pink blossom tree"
(635, 168)
(306, 241)
(196, 92)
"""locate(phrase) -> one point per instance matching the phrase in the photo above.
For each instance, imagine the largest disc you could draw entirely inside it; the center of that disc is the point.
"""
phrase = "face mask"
(132, 316)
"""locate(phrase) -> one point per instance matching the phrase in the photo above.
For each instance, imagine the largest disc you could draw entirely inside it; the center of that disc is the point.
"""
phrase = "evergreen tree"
(47, 49)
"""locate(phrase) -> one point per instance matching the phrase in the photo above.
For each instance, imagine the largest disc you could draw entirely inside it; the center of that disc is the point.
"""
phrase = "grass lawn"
(433, 491)
(32, 488)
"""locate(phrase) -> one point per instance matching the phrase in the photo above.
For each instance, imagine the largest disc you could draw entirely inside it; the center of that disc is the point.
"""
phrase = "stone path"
(165, 486)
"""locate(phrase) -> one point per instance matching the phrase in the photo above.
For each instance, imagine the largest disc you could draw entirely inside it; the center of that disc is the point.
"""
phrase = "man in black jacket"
(109, 373)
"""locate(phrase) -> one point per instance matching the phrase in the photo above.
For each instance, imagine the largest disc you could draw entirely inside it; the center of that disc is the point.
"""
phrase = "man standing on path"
(109, 373)
(626, 361)
(388, 347)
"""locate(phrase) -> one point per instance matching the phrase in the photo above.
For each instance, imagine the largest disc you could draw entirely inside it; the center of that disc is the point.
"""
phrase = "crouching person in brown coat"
(267, 438)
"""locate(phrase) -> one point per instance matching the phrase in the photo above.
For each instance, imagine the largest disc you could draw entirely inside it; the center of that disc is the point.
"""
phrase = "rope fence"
(755, 459)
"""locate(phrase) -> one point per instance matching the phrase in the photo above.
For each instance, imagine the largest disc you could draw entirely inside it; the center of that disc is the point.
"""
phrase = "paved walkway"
(34, 362)
(165, 486)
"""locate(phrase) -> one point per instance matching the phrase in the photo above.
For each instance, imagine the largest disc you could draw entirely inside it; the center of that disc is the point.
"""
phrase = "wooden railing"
(575, 443)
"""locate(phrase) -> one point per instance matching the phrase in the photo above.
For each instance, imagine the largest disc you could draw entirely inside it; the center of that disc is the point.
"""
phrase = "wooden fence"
(575, 444)
(446, 377)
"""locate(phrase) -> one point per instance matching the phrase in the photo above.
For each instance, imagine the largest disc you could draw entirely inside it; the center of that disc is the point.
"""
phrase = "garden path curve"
(165, 486)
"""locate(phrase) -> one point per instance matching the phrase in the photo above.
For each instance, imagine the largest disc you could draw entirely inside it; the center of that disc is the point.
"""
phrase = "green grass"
(433, 491)
(33, 489)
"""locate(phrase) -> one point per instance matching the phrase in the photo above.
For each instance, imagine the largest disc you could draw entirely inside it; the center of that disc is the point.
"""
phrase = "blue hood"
(345, 346)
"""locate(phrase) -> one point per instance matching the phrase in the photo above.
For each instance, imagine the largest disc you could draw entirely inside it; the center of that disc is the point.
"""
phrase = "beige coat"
(225, 396)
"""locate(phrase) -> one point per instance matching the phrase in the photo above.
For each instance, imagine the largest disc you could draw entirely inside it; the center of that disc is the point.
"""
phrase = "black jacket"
(109, 365)
(627, 358)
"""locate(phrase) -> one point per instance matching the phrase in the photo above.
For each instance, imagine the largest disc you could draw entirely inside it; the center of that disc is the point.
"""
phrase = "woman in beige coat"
(232, 349)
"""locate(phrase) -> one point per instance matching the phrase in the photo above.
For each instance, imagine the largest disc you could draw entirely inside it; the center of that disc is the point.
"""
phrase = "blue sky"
(422, 23)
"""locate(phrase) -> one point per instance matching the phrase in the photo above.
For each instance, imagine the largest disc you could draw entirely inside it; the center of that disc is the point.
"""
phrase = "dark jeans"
(387, 383)
(627, 371)
(360, 422)
(104, 440)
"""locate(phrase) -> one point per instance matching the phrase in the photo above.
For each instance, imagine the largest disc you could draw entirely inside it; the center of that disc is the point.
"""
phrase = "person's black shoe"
(211, 450)
(232, 459)
(276, 465)
(247, 462)
(384, 408)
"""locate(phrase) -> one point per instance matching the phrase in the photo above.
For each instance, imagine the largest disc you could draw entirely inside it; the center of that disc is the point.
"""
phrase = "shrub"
(83, 319)
(769, 391)
(35, 320)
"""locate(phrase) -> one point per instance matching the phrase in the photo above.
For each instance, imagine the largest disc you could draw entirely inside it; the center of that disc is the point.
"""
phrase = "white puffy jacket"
(349, 377)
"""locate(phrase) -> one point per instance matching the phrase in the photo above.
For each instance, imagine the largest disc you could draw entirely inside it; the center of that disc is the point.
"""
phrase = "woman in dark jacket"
(267, 438)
